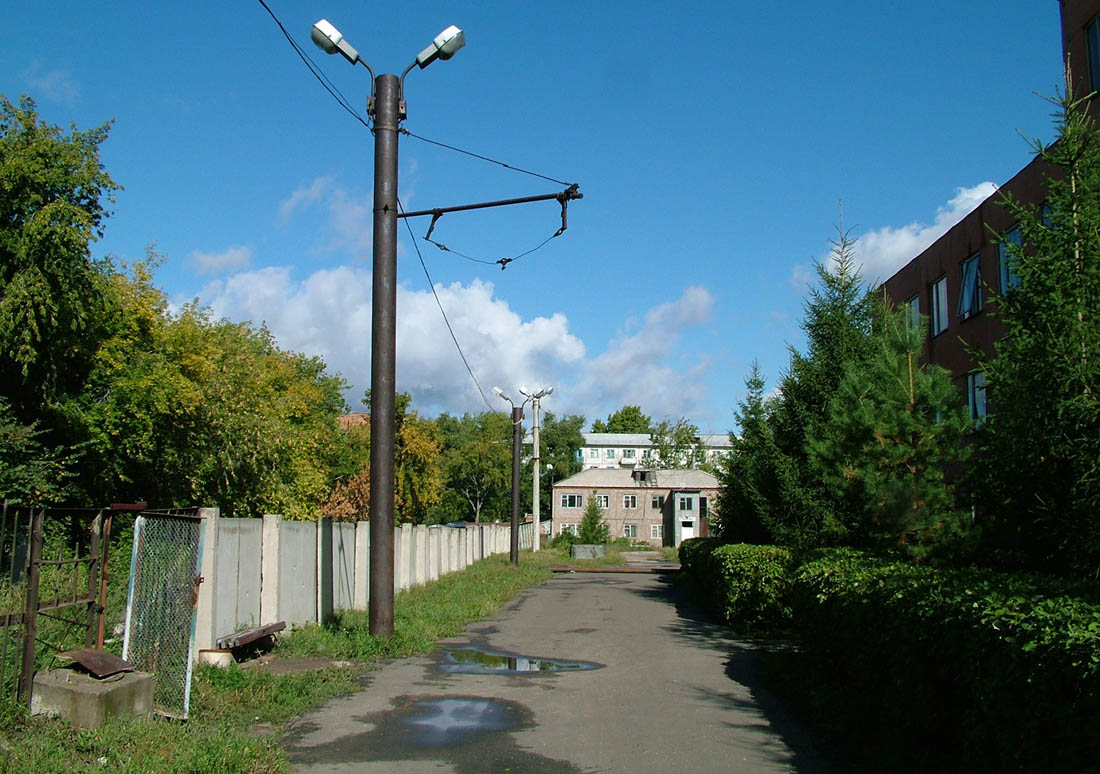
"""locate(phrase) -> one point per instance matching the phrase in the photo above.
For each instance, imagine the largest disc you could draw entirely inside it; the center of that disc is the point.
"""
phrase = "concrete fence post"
(420, 556)
(407, 547)
(269, 569)
(433, 552)
(361, 592)
(324, 569)
(206, 612)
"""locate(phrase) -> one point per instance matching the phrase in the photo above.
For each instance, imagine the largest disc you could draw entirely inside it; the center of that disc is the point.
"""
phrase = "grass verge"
(228, 706)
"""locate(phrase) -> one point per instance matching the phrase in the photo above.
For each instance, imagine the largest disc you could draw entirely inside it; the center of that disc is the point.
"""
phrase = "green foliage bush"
(744, 585)
(1001, 670)
(936, 669)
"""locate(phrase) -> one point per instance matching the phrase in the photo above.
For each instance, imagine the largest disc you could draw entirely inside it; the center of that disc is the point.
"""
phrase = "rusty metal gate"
(52, 560)
(165, 569)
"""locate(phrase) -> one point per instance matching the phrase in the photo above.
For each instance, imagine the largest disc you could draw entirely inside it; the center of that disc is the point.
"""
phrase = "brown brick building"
(663, 507)
(950, 281)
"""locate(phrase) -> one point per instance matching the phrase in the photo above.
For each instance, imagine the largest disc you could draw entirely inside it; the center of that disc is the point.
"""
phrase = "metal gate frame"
(151, 643)
(29, 570)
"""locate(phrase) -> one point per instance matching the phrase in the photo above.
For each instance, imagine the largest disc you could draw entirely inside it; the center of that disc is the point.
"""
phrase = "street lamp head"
(445, 45)
(500, 394)
(329, 40)
(523, 391)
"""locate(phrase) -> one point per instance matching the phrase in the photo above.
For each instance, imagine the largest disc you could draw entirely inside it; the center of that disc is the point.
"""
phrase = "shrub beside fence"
(968, 669)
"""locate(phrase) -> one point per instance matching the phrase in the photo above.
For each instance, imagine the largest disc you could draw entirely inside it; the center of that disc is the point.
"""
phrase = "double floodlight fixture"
(539, 394)
(329, 40)
(444, 46)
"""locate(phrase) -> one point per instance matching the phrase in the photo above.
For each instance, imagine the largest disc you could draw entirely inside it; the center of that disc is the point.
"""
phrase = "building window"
(593, 454)
(611, 454)
(630, 501)
(657, 502)
(657, 530)
(970, 291)
(912, 312)
(571, 501)
(937, 293)
(1092, 45)
(573, 528)
(975, 396)
(628, 454)
(1009, 278)
(647, 455)
(686, 504)
(630, 530)
(603, 500)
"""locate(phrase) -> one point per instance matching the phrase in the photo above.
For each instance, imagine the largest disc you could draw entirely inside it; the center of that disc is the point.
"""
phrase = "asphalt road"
(666, 691)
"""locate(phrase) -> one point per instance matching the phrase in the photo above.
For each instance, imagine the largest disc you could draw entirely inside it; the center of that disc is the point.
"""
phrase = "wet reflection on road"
(487, 662)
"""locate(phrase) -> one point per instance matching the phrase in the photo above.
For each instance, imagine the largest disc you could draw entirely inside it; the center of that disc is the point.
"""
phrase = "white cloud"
(329, 314)
(304, 196)
(349, 227)
(879, 254)
(643, 369)
(883, 252)
(231, 259)
(57, 85)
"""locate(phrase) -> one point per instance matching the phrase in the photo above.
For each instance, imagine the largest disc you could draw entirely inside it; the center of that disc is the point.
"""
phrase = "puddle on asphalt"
(487, 662)
(447, 722)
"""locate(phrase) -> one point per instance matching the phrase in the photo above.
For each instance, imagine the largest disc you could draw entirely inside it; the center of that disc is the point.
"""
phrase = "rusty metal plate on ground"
(98, 663)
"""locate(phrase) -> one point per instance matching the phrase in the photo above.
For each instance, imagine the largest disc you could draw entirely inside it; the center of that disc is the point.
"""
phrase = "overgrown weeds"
(238, 714)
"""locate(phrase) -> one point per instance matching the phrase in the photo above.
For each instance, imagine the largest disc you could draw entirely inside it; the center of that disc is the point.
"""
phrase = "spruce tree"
(893, 428)
(837, 323)
(593, 529)
(1038, 475)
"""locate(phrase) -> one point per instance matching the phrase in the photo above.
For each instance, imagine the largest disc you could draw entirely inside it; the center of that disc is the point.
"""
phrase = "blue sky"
(713, 144)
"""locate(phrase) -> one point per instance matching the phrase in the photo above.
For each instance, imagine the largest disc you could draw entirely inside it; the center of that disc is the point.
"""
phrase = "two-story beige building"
(661, 507)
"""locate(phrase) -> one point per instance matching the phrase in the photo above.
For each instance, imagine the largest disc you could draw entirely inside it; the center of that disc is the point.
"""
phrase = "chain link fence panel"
(165, 569)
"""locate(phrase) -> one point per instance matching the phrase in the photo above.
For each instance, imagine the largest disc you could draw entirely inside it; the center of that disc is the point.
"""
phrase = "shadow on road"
(743, 663)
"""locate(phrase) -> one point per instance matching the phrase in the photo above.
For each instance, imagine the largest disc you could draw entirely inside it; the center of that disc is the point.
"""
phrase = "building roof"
(623, 478)
(617, 439)
(710, 440)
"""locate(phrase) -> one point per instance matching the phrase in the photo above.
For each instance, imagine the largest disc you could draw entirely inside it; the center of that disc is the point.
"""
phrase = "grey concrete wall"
(361, 585)
(298, 572)
(238, 575)
(343, 566)
(259, 572)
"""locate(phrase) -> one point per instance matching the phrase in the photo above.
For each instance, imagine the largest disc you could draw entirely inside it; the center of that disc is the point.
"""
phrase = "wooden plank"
(246, 636)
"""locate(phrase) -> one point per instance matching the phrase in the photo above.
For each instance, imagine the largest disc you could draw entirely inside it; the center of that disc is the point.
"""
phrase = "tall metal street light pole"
(535, 477)
(387, 108)
(517, 442)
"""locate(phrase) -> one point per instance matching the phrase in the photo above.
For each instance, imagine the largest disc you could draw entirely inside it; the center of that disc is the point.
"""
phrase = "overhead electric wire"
(405, 131)
(439, 303)
(323, 79)
(503, 262)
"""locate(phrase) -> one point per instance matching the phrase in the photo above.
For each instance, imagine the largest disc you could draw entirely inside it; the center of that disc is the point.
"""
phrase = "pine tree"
(893, 428)
(1038, 475)
(837, 323)
(593, 529)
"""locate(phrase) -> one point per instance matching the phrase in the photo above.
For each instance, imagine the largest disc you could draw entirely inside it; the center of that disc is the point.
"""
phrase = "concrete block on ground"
(86, 701)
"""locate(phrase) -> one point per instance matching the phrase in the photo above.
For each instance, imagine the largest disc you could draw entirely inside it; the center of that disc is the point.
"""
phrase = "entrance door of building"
(687, 530)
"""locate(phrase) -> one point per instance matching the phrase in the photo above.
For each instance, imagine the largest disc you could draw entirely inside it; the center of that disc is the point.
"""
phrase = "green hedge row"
(742, 585)
(963, 669)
